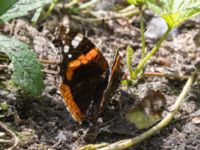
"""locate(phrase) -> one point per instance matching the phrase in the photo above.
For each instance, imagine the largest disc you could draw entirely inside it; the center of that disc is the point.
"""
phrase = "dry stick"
(49, 72)
(5, 141)
(127, 9)
(16, 139)
(2, 67)
(74, 2)
(166, 75)
(114, 16)
(88, 4)
(44, 61)
(164, 122)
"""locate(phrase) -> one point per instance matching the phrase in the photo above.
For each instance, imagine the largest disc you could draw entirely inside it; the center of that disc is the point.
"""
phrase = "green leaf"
(22, 8)
(174, 12)
(26, 69)
(5, 5)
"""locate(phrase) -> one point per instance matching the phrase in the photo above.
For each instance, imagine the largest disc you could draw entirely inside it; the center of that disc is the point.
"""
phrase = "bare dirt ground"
(44, 123)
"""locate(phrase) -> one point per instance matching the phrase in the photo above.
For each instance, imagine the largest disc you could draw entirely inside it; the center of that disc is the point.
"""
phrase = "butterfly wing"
(114, 80)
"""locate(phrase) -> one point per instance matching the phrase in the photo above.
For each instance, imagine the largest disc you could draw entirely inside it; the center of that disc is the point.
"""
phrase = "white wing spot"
(77, 39)
(63, 42)
(67, 30)
(66, 48)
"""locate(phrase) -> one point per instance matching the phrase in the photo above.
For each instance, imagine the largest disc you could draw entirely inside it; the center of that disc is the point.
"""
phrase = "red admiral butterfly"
(87, 81)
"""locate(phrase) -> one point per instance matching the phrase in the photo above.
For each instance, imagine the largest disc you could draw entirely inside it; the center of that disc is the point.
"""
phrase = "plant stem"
(70, 4)
(148, 56)
(142, 31)
(88, 4)
(51, 7)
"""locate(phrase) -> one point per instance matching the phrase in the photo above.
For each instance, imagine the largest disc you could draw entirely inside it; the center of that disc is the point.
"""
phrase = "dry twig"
(14, 141)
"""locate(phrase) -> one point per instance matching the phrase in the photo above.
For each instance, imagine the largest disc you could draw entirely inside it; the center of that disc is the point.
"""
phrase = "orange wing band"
(83, 59)
(70, 103)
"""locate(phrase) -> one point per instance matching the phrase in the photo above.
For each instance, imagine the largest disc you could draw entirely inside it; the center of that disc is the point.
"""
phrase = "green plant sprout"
(174, 12)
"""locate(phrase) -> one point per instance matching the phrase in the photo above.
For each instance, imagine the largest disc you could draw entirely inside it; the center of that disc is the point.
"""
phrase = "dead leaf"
(196, 120)
(148, 111)
(162, 61)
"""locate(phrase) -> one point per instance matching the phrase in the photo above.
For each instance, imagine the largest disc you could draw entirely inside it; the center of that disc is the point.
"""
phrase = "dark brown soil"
(45, 123)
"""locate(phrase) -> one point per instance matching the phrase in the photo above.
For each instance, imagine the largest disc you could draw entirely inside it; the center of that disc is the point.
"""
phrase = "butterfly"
(87, 81)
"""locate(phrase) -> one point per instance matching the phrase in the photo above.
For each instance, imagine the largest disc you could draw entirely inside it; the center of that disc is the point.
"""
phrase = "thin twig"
(44, 61)
(50, 72)
(88, 4)
(5, 141)
(2, 67)
(15, 138)
(127, 9)
(115, 15)
(166, 75)
(82, 5)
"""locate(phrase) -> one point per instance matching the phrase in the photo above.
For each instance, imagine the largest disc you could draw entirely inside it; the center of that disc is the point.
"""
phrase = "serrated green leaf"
(22, 8)
(175, 12)
(26, 69)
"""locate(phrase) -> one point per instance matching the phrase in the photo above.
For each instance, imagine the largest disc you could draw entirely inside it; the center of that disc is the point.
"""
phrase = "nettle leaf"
(175, 12)
(26, 69)
(22, 8)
